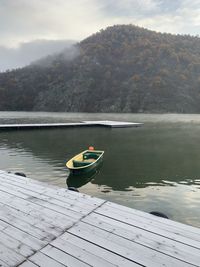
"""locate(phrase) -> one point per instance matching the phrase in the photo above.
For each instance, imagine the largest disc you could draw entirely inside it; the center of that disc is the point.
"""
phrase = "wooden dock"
(114, 124)
(47, 226)
(111, 124)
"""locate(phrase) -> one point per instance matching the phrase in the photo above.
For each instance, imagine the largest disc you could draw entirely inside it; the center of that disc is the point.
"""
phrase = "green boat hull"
(78, 181)
(87, 169)
(85, 162)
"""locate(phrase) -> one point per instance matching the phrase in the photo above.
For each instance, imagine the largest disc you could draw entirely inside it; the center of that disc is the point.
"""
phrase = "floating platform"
(114, 124)
(111, 124)
(43, 225)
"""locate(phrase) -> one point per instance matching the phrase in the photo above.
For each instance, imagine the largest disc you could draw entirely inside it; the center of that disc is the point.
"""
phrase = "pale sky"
(25, 21)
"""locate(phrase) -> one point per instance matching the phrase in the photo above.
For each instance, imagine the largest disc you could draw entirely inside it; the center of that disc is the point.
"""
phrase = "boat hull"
(84, 169)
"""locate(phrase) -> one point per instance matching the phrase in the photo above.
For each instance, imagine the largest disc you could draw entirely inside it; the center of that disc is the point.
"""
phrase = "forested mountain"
(123, 68)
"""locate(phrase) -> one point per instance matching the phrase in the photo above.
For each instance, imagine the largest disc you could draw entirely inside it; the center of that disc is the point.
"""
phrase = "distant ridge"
(123, 68)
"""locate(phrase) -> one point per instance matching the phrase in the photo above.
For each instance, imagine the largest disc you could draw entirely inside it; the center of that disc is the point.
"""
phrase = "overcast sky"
(25, 21)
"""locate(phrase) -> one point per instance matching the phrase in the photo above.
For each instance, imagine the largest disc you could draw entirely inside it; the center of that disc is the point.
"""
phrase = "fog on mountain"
(123, 68)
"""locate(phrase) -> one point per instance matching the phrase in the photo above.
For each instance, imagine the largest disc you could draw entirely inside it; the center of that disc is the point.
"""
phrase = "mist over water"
(153, 167)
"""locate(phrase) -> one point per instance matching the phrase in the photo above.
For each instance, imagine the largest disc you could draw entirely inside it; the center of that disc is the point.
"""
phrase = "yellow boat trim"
(79, 157)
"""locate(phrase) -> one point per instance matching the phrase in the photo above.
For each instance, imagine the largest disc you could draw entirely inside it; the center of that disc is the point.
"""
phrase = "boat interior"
(84, 159)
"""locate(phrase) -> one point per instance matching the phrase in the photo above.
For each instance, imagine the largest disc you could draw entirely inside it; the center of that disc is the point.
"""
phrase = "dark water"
(153, 167)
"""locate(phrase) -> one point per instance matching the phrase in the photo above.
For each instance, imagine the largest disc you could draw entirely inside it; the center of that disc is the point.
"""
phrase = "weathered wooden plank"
(15, 245)
(24, 238)
(62, 257)
(156, 227)
(35, 221)
(25, 193)
(43, 201)
(143, 214)
(79, 253)
(112, 124)
(49, 215)
(28, 228)
(28, 264)
(32, 215)
(45, 215)
(9, 256)
(3, 264)
(51, 190)
(153, 241)
(3, 225)
(123, 247)
(41, 125)
(96, 250)
(43, 260)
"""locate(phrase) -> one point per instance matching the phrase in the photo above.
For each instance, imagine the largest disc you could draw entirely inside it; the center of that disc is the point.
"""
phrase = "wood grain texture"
(43, 225)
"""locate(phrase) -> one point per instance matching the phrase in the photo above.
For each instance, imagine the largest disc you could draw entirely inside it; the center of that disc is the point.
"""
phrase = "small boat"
(85, 161)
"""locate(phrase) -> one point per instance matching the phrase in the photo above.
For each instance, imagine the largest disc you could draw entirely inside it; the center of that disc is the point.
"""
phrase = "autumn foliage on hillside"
(123, 68)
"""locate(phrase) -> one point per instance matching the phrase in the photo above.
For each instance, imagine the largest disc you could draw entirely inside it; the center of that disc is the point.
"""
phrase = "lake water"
(155, 167)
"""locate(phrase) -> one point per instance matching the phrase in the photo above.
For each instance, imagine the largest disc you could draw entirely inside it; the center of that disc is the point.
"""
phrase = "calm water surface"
(153, 167)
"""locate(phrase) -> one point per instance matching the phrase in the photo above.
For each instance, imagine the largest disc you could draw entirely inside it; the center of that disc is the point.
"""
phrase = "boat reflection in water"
(76, 181)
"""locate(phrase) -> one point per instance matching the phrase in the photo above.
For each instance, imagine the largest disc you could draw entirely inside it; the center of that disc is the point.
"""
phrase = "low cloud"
(68, 54)
(25, 21)
(29, 52)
